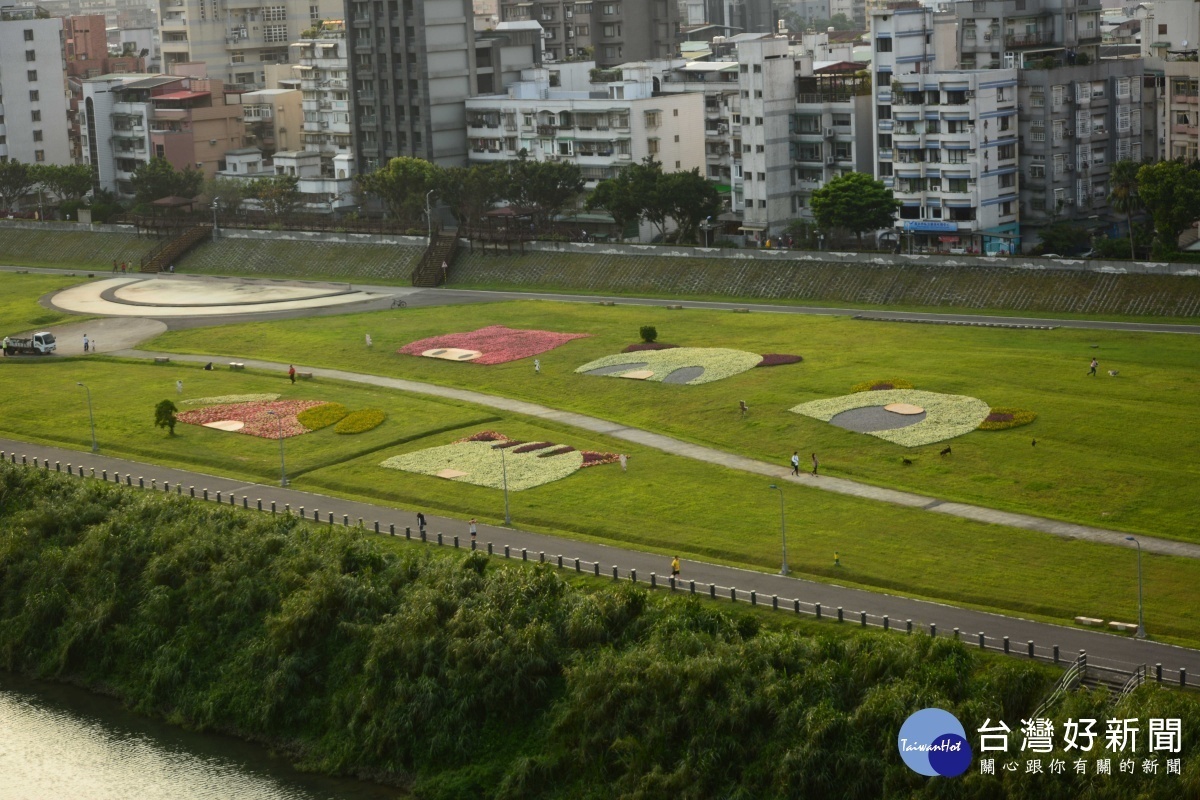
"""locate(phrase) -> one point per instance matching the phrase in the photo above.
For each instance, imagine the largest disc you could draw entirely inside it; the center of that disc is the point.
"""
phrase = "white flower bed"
(482, 465)
(946, 415)
(718, 362)
(226, 399)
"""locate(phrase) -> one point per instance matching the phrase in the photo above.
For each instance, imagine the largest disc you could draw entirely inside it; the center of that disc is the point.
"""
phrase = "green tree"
(16, 179)
(279, 195)
(401, 185)
(1064, 239)
(470, 192)
(689, 198)
(68, 182)
(546, 187)
(157, 178)
(1122, 194)
(646, 181)
(228, 193)
(619, 197)
(1170, 190)
(164, 416)
(854, 202)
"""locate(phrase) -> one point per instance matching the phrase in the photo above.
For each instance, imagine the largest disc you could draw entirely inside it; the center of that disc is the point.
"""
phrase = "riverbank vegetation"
(460, 677)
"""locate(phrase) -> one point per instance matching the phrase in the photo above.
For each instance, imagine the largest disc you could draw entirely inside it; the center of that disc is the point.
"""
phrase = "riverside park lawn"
(1115, 452)
(664, 503)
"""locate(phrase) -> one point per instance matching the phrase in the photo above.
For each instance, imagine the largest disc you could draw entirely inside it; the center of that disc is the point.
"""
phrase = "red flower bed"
(256, 421)
(506, 445)
(497, 343)
(485, 436)
(634, 348)
(999, 416)
(593, 459)
(776, 359)
(558, 451)
(529, 448)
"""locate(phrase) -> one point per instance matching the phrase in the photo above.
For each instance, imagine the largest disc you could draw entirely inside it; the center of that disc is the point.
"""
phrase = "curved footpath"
(711, 455)
(1116, 652)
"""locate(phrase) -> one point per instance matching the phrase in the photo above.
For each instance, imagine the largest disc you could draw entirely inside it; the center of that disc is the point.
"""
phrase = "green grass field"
(19, 307)
(663, 504)
(82, 250)
(1112, 452)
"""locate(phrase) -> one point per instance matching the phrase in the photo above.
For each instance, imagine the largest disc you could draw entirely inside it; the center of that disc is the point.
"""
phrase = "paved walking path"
(1103, 649)
(711, 455)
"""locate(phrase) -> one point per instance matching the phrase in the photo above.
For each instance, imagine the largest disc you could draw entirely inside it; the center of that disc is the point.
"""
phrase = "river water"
(62, 743)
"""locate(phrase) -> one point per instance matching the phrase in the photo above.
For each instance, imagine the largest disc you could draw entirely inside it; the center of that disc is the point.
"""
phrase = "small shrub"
(1000, 419)
(881, 385)
(164, 416)
(649, 333)
(361, 421)
(322, 416)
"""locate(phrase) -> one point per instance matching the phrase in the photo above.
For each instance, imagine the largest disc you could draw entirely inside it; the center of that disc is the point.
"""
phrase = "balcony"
(1028, 39)
(168, 114)
(547, 130)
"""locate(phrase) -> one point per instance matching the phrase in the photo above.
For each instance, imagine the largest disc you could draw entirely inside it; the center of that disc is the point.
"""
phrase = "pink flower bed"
(254, 416)
(497, 343)
(484, 436)
(558, 451)
(529, 448)
(776, 359)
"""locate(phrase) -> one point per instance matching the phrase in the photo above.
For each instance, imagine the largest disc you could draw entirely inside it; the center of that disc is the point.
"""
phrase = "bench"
(1123, 627)
(162, 360)
(741, 311)
(304, 375)
(1089, 621)
(236, 365)
(675, 308)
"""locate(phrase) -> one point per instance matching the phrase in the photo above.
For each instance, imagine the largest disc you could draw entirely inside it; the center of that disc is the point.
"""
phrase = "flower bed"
(718, 363)
(946, 415)
(322, 416)
(477, 459)
(497, 343)
(881, 385)
(361, 421)
(999, 419)
(642, 346)
(226, 399)
(256, 419)
(778, 359)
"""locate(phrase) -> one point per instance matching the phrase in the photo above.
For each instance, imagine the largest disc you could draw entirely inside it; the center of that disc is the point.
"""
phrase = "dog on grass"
(1114, 372)
(945, 452)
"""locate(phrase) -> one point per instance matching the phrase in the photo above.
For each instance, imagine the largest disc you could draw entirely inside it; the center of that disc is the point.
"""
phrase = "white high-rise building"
(33, 88)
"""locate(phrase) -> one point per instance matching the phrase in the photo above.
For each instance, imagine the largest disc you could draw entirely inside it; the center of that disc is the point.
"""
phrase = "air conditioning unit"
(829, 133)
(1070, 167)
(1162, 140)
(828, 159)
(970, 93)
(1070, 134)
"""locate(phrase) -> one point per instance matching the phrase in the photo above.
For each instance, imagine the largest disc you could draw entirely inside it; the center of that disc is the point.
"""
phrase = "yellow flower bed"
(999, 419)
(322, 416)
(361, 421)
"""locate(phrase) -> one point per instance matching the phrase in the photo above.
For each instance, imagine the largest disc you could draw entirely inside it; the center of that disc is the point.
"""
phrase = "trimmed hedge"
(361, 421)
(322, 416)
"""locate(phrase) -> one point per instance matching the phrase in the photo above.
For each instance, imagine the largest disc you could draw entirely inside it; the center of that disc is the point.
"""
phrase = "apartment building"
(129, 119)
(413, 65)
(1016, 33)
(33, 88)
(235, 40)
(602, 121)
(323, 66)
(1170, 44)
(717, 83)
(273, 119)
(802, 123)
(946, 140)
(321, 192)
(609, 32)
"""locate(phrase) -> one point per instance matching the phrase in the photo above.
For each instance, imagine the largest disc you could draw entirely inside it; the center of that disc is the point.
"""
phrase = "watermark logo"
(933, 742)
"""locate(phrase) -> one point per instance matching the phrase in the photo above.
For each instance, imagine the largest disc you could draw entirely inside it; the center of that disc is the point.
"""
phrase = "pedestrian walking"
(474, 529)
(86, 344)
(115, 265)
(537, 366)
(178, 387)
(1091, 371)
(622, 458)
(675, 567)
(815, 464)
(420, 521)
(795, 462)
(292, 372)
(369, 342)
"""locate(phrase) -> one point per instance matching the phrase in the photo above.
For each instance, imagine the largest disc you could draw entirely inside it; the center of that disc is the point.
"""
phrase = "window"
(37, 136)
(653, 119)
(1122, 87)
(1006, 151)
(883, 44)
(1037, 171)
(1060, 164)
(1007, 181)
(34, 96)
(1162, 29)
(1006, 209)
(1123, 119)
(652, 146)
(274, 14)
(762, 176)
(37, 115)
(612, 31)
(675, 113)
(314, 13)
(758, 148)
(1058, 93)
(677, 138)
(610, 9)
(31, 75)
(275, 33)
(31, 55)
(39, 156)
(1060, 129)
(28, 35)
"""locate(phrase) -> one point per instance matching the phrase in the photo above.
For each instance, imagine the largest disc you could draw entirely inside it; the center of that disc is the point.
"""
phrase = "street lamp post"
(1141, 631)
(214, 210)
(283, 481)
(504, 476)
(429, 217)
(707, 228)
(782, 529)
(91, 418)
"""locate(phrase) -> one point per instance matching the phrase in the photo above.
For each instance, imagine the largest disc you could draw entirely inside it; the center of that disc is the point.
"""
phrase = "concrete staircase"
(441, 250)
(170, 251)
